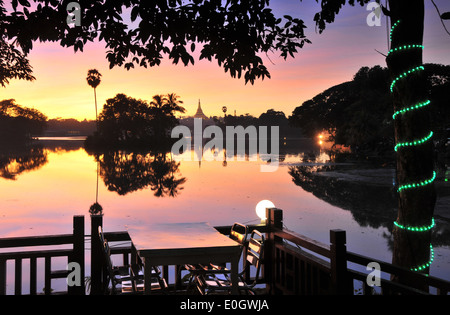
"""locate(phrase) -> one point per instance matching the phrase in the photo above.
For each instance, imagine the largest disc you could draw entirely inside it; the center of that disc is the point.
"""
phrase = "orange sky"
(60, 89)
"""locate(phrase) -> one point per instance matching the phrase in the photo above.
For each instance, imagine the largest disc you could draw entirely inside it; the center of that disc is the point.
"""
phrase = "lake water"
(41, 189)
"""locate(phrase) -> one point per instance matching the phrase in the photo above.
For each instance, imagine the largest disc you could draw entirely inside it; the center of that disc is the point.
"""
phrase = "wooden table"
(184, 243)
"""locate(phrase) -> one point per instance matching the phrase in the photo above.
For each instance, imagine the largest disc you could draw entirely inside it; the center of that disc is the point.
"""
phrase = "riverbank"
(385, 177)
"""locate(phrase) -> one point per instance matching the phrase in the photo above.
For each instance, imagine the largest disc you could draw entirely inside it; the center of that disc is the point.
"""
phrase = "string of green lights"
(407, 109)
(404, 75)
(417, 228)
(427, 264)
(404, 47)
(412, 144)
(419, 184)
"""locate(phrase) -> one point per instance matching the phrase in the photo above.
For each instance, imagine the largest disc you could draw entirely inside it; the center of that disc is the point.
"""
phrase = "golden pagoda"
(199, 113)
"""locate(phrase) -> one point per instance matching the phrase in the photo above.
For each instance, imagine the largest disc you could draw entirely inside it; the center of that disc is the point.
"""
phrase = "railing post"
(78, 253)
(274, 220)
(338, 262)
(96, 256)
(2, 276)
(274, 217)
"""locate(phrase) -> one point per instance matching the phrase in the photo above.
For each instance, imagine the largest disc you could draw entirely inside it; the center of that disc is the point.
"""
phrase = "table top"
(178, 236)
(184, 243)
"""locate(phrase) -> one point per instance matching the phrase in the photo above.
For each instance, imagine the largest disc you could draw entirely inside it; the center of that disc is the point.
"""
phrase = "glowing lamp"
(261, 209)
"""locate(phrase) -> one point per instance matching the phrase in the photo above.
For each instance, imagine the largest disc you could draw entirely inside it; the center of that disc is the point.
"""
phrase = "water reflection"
(132, 183)
(128, 171)
(373, 204)
(18, 159)
(368, 193)
(21, 157)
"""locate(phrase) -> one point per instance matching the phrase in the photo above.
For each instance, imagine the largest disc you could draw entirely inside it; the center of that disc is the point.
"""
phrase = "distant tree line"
(271, 117)
(359, 113)
(19, 123)
(69, 126)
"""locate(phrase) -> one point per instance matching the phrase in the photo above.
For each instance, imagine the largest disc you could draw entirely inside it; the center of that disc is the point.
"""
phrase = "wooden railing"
(25, 249)
(293, 263)
(298, 265)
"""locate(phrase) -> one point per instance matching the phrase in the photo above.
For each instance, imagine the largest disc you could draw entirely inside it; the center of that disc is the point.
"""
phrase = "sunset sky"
(60, 88)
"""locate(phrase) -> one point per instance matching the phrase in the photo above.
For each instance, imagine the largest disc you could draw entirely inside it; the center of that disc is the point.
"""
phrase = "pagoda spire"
(199, 113)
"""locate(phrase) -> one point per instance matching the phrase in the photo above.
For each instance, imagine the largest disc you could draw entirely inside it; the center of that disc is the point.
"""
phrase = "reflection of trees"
(372, 204)
(125, 172)
(61, 146)
(164, 181)
(15, 160)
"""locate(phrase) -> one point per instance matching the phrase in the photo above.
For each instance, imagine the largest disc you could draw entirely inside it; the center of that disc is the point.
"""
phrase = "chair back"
(255, 251)
(101, 235)
(238, 233)
(107, 259)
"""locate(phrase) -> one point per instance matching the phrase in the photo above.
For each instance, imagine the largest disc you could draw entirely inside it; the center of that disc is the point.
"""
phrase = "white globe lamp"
(261, 209)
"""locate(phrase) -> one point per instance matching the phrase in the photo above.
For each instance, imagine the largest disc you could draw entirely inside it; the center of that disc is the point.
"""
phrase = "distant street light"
(320, 138)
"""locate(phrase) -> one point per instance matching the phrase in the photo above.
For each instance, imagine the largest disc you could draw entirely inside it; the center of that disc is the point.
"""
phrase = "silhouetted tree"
(357, 113)
(163, 109)
(18, 123)
(124, 120)
(234, 33)
(127, 122)
(93, 79)
(13, 63)
(272, 118)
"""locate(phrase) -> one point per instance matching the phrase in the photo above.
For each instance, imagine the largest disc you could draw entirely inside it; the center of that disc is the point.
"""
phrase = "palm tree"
(93, 79)
(158, 102)
(163, 109)
(173, 104)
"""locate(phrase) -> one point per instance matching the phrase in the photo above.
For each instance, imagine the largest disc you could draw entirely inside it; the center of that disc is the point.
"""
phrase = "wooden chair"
(238, 233)
(219, 280)
(126, 279)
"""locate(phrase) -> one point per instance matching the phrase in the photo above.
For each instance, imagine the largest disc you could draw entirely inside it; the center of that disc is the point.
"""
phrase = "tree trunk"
(96, 116)
(414, 160)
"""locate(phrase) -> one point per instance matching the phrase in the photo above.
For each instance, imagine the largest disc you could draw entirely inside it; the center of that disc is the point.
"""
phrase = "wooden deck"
(293, 264)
